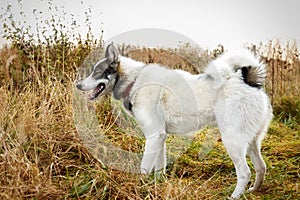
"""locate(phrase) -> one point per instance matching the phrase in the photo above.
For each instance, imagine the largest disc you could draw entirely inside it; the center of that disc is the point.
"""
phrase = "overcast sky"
(207, 22)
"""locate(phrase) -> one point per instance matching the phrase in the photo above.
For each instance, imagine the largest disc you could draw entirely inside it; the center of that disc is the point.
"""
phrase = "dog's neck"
(128, 71)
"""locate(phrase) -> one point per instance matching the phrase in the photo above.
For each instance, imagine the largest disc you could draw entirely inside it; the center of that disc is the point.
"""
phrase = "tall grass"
(283, 67)
(42, 156)
(283, 79)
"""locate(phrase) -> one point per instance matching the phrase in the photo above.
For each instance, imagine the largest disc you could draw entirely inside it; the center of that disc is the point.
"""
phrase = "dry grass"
(42, 157)
(283, 66)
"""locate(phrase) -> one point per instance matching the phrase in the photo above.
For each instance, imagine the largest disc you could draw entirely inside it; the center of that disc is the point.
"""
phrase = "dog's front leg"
(154, 154)
(151, 120)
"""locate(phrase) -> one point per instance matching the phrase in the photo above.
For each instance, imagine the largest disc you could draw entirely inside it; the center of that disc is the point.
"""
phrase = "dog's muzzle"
(79, 86)
(97, 91)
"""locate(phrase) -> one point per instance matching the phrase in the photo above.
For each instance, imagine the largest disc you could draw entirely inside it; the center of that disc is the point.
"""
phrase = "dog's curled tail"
(243, 64)
(254, 75)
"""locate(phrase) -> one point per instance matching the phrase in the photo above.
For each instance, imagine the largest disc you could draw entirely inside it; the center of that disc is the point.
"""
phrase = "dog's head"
(104, 75)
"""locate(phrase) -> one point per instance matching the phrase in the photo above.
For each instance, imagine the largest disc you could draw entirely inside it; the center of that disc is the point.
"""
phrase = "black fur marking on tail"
(247, 77)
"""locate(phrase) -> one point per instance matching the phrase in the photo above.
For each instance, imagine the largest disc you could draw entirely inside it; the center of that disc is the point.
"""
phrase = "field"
(43, 155)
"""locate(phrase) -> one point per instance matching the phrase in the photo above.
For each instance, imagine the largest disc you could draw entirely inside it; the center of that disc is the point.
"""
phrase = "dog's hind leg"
(256, 158)
(236, 147)
(259, 164)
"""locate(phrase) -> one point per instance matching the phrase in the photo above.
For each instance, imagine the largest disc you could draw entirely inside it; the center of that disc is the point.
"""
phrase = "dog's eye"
(105, 75)
(110, 70)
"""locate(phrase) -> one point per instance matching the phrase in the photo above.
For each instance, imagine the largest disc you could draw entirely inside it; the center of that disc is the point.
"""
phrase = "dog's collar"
(126, 93)
(126, 97)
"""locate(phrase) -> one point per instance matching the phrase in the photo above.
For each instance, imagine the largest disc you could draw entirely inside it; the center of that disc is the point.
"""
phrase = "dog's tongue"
(96, 92)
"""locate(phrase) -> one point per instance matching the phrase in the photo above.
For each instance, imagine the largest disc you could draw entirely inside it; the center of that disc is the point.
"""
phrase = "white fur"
(128, 65)
(222, 68)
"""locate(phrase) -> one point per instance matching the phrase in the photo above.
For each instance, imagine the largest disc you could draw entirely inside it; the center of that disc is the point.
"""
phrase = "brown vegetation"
(43, 157)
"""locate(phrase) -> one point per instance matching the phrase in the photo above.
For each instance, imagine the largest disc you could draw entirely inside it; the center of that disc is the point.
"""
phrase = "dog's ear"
(111, 53)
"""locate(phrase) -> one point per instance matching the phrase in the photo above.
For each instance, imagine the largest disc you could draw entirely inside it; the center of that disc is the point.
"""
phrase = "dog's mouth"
(97, 91)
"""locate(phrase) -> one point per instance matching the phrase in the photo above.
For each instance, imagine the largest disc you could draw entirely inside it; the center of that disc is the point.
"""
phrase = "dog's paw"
(234, 197)
(252, 189)
(231, 198)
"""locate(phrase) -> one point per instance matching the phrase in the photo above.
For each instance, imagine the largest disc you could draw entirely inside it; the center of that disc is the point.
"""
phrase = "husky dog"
(228, 94)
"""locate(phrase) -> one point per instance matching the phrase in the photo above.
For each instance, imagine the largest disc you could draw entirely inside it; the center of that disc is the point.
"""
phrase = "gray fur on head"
(111, 53)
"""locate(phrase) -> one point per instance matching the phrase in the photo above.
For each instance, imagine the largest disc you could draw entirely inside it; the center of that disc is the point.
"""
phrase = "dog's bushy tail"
(238, 64)
(254, 75)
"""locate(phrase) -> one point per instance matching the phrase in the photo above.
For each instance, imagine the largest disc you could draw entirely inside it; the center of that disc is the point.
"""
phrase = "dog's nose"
(79, 86)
